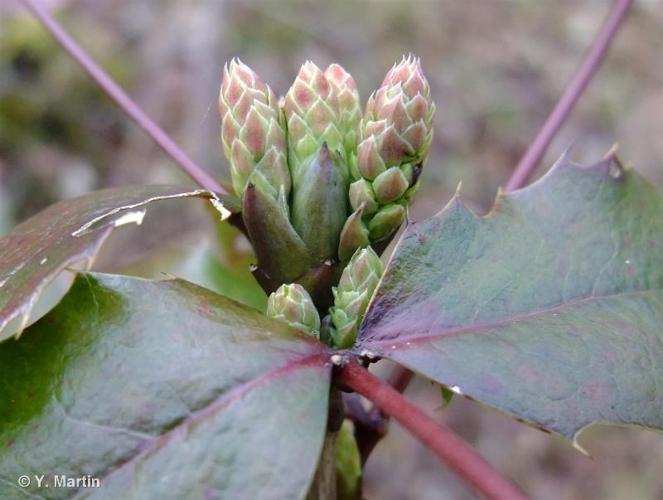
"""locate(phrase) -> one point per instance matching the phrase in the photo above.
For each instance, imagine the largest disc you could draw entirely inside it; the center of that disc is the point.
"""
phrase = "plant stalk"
(122, 99)
(588, 68)
(371, 424)
(452, 450)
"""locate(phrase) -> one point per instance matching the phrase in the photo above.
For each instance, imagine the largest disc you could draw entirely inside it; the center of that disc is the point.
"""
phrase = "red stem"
(122, 99)
(572, 93)
(452, 450)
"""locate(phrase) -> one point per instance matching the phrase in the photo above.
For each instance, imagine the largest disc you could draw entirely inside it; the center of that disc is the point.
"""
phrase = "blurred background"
(496, 68)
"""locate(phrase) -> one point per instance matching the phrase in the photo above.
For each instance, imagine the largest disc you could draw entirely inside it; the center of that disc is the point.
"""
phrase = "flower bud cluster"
(320, 182)
(396, 133)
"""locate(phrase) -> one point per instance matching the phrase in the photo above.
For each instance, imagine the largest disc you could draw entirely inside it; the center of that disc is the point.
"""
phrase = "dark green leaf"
(161, 390)
(550, 307)
(66, 234)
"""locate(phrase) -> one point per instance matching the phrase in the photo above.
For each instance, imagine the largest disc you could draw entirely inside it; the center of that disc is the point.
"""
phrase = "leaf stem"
(371, 424)
(452, 450)
(588, 68)
(122, 99)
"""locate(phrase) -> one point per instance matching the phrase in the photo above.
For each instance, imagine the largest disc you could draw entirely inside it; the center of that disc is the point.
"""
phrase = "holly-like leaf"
(67, 234)
(550, 307)
(161, 390)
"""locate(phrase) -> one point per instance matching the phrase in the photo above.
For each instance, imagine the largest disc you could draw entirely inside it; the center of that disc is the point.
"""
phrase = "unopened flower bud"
(363, 272)
(369, 161)
(292, 304)
(281, 253)
(312, 112)
(253, 136)
(361, 193)
(320, 204)
(353, 236)
(396, 133)
(353, 294)
(400, 115)
(390, 185)
(387, 220)
(345, 88)
(346, 318)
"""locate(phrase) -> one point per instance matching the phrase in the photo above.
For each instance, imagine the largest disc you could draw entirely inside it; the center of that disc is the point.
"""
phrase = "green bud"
(395, 136)
(346, 322)
(348, 463)
(362, 272)
(409, 194)
(361, 193)
(369, 161)
(387, 220)
(400, 114)
(292, 304)
(353, 294)
(320, 204)
(353, 236)
(408, 172)
(390, 185)
(313, 117)
(345, 88)
(251, 130)
(261, 183)
(281, 253)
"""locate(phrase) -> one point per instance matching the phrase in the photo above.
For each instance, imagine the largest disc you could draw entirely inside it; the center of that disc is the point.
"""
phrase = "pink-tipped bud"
(399, 117)
(362, 195)
(312, 112)
(396, 133)
(409, 75)
(390, 185)
(353, 236)
(345, 88)
(252, 134)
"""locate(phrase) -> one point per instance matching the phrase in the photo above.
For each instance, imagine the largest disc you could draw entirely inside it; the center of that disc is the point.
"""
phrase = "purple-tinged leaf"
(550, 307)
(67, 234)
(161, 390)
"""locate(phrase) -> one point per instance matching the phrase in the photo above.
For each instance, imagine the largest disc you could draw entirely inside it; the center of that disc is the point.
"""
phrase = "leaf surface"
(67, 234)
(549, 308)
(161, 390)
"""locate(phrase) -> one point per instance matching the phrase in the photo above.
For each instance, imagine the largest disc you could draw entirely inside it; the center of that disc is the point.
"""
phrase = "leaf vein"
(479, 327)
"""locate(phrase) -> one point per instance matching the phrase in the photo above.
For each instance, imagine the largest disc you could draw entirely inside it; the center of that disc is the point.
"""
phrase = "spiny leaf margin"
(459, 298)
